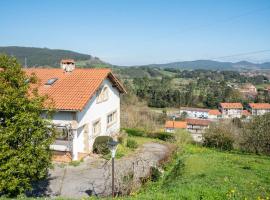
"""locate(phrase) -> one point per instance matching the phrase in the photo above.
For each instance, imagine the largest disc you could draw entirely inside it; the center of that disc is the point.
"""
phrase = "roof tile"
(259, 105)
(175, 124)
(231, 105)
(73, 89)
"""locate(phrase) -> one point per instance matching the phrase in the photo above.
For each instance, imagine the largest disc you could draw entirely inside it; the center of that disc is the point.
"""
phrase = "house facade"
(259, 108)
(231, 110)
(195, 112)
(172, 126)
(214, 114)
(87, 105)
(197, 127)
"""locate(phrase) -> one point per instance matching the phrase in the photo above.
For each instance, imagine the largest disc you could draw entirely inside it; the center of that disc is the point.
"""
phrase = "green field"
(202, 173)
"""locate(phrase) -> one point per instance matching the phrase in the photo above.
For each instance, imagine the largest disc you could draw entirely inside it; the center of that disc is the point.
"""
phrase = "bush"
(219, 136)
(162, 136)
(122, 138)
(256, 135)
(183, 137)
(132, 144)
(100, 145)
(135, 132)
(155, 174)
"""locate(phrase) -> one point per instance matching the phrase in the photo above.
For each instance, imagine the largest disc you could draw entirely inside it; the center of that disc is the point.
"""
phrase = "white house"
(195, 112)
(259, 108)
(87, 104)
(197, 127)
(214, 114)
(171, 126)
(231, 110)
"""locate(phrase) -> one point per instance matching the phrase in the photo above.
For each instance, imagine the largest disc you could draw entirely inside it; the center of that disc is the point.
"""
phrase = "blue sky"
(131, 32)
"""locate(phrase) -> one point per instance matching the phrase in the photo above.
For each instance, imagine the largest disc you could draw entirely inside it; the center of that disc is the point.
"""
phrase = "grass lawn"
(123, 150)
(202, 173)
(262, 86)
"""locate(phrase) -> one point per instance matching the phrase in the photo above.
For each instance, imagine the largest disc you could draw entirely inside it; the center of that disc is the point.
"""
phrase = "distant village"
(196, 120)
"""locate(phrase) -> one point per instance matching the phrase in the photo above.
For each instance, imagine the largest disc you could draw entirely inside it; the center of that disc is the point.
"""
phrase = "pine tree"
(25, 136)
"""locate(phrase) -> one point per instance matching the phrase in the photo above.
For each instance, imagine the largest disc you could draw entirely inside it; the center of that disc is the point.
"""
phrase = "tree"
(256, 135)
(25, 136)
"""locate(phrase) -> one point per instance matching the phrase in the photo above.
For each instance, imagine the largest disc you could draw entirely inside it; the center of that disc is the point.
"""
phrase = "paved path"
(93, 176)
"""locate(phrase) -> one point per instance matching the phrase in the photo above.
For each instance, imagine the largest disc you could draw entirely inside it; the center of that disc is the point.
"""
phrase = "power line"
(228, 19)
(242, 54)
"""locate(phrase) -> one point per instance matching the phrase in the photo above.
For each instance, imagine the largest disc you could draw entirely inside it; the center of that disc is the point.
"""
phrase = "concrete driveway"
(93, 176)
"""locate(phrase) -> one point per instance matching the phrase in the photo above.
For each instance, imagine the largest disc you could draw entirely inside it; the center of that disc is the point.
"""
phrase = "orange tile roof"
(259, 105)
(231, 105)
(175, 124)
(73, 89)
(200, 122)
(246, 113)
(214, 112)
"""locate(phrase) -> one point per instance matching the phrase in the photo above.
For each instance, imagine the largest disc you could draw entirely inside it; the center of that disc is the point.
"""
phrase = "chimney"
(68, 65)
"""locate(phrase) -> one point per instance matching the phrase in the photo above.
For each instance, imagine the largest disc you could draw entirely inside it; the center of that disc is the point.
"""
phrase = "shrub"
(183, 137)
(135, 132)
(175, 173)
(100, 145)
(256, 135)
(155, 174)
(219, 136)
(75, 163)
(122, 138)
(162, 136)
(132, 144)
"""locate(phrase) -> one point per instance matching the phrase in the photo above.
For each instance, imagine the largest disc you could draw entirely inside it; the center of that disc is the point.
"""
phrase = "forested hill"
(47, 57)
(213, 65)
(51, 57)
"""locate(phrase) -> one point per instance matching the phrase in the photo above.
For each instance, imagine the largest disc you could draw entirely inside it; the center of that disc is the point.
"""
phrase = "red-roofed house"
(214, 114)
(259, 108)
(171, 126)
(231, 110)
(197, 127)
(246, 114)
(87, 104)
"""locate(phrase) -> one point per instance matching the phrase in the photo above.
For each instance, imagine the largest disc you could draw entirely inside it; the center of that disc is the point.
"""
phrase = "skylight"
(51, 81)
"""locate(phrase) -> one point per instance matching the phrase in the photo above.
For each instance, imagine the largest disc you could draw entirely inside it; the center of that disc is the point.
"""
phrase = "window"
(103, 95)
(61, 134)
(111, 118)
(51, 81)
(96, 128)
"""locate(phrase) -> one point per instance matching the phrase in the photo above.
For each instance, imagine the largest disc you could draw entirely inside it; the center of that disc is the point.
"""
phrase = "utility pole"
(113, 146)
(112, 177)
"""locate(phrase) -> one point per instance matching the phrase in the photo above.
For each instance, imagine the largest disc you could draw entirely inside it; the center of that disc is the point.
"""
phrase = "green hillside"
(203, 173)
(48, 57)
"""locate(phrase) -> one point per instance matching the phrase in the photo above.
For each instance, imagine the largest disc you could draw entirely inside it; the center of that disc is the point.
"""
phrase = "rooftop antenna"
(25, 62)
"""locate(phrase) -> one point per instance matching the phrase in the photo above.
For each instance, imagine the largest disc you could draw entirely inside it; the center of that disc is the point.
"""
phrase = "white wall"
(92, 112)
(231, 113)
(98, 111)
(195, 114)
(259, 111)
(169, 130)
